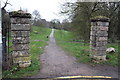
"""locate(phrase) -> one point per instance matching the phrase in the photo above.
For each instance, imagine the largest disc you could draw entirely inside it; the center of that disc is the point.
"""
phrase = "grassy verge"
(38, 38)
(81, 50)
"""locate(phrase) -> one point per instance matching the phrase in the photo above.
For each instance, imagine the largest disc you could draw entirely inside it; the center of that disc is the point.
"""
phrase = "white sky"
(48, 9)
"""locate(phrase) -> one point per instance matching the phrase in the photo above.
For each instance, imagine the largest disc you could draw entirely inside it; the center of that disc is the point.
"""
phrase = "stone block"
(92, 33)
(20, 33)
(101, 52)
(22, 60)
(23, 53)
(106, 24)
(20, 27)
(101, 38)
(94, 28)
(20, 20)
(100, 23)
(99, 58)
(102, 28)
(93, 24)
(21, 47)
(93, 38)
(24, 65)
(101, 43)
(24, 40)
(100, 48)
(101, 33)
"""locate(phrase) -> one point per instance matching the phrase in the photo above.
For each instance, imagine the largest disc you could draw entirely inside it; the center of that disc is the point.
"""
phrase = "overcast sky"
(48, 9)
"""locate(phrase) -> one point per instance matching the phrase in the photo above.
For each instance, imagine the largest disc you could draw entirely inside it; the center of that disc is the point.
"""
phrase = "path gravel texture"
(56, 62)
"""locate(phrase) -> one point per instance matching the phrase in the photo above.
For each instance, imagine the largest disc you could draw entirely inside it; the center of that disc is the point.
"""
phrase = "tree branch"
(94, 8)
(114, 10)
(6, 3)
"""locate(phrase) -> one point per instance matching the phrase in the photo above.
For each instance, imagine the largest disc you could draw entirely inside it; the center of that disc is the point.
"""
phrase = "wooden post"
(20, 32)
(99, 38)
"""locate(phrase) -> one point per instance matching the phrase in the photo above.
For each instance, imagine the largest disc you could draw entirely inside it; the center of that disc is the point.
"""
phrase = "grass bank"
(38, 38)
(81, 50)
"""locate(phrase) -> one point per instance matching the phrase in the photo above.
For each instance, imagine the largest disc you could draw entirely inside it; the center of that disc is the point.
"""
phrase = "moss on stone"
(22, 59)
(100, 18)
(20, 14)
(26, 59)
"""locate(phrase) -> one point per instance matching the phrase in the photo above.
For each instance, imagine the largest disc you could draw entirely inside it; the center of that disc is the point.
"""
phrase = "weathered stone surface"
(20, 47)
(20, 33)
(93, 24)
(105, 23)
(100, 23)
(20, 30)
(101, 43)
(101, 52)
(20, 20)
(22, 53)
(19, 14)
(103, 28)
(94, 28)
(24, 65)
(98, 38)
(22, 60)
(101, 38)
(20, 27)
(101, 33)
(24, 40)
(100, 19)
(99, 48)
(99, 58)
(93, 38)
(92, 33)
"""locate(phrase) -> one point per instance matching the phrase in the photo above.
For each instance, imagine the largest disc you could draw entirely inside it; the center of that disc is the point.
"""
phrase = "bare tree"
(6, 3)
(36, 18)
(36, 15)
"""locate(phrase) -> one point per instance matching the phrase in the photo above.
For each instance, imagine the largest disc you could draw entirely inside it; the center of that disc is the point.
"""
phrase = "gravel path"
(55, 62)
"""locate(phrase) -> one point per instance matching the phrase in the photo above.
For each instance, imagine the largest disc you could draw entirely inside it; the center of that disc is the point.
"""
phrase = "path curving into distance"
(55, 63)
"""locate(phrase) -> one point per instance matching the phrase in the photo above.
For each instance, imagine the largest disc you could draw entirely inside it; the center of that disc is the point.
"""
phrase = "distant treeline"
(80, 14)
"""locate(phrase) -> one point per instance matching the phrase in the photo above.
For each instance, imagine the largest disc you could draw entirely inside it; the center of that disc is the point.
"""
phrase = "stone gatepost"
(99, 37)
(20, 32)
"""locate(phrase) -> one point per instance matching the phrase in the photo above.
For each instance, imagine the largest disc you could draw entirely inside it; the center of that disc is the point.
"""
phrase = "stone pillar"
(20, 32)
(99, 37)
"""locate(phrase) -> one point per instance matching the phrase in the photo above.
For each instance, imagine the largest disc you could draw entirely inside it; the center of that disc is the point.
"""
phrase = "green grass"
(38, 38)
(113, 57)
(81, 50)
